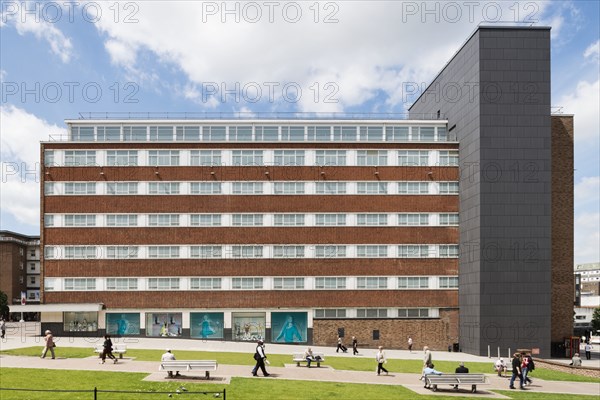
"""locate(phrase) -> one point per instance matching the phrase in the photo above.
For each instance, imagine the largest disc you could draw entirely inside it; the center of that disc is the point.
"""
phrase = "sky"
(59, 59)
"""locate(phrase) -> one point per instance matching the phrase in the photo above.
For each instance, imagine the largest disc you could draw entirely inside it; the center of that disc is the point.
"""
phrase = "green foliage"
(596, 321)
(3, 305)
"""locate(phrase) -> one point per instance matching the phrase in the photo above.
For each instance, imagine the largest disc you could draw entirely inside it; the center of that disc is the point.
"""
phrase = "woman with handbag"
(49, 344)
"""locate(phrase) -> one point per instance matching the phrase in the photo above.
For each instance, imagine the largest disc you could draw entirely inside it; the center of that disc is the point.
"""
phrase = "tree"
(596, 321)
(3, 305)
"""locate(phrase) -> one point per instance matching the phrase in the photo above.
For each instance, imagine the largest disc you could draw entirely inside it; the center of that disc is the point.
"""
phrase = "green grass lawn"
(278, 360)
(239, 389)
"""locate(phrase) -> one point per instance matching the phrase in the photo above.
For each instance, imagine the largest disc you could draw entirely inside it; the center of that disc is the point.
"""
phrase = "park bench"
(189, 366)
(299, 357)
(119, 349)
(432, 381)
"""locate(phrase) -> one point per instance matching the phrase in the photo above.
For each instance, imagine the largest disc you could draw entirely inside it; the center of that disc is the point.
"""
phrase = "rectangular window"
(289, 157)
(372, 188)
(413, 282)
(121, 188)
(413, 219)
(423, 133)
(266, 133)
(413, 251)
(371, 219)
(121, 220)
(82, 133)
(318, 133)
(442, 134)
(205, 283)
(135, 133)
(163, 158)
(371, 133)
(80, 284)
(163, 188)
(372, 157)
(288, 283)
(80, 220)
(163, 283)
(289, 188)
(448, 282)
(163, 252)
(214, 133)
(330, 282)
(449, 251)
(247, 251)
(206, 252)
(371, 312)
(448, 158)
(322, 313)
(247, 188)
(396, 134)
(240, 133)
(48, 188)
(330, 219)
(288, 251)
(413, 158)
(205, 157)
(163, 220)
(344, 133)
(371, 282)
(49, 158)
(247, 219)
(289, 219)
(330, 251)
(413, 313)
(205, 188)
(247, 283)
(80, 188)
(122, 157)
(448, 219)
(80, 252)
(331, 157)
(121, 283)
(122, 252)
(205, 220)
(247, 157)
(187, 133)
(292, 133)
(371, 251)
(448, 187)
(48, 220)
(108, 133)
(161, 133)
(413, 187)
(331, 188)
(49, 252)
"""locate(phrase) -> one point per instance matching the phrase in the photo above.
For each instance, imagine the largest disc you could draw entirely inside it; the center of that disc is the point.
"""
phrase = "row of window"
(71, 158)
(252, 251)
(248, 187)
(226, 220)
(331, 313)
(253, 283)
(258, 133)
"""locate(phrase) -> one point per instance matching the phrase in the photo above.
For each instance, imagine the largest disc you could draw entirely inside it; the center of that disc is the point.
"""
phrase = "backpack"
(531, 364)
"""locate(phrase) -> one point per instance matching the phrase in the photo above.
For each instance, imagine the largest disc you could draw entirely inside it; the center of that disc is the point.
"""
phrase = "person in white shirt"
(410, 343)
(588, 351)
(168, 356)
(500, 366)
(380, 357)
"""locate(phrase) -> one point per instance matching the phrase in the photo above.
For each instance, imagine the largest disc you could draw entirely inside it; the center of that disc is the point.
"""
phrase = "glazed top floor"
(254, 130)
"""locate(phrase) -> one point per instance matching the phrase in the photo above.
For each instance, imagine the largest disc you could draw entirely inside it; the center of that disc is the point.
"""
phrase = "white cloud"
(587, 237)
(3, 74)
(21, 134)
(593, 51)
(367, 52)
(587, 190)
(584, 102)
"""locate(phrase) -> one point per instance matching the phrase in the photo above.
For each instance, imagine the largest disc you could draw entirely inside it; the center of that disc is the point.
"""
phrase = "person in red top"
(49, 344)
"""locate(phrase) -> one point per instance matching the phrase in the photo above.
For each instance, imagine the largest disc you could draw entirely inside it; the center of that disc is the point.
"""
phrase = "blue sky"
(353, 56)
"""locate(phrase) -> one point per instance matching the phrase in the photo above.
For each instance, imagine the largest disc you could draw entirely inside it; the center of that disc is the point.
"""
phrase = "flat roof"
(254, 121)
(58, 307)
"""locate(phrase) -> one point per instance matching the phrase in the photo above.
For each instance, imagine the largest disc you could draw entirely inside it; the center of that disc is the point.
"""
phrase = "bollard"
(498, 351)
(489, 355)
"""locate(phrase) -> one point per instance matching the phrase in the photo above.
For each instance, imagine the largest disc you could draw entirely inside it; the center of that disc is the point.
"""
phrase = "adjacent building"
(20, 267)
(300, 230)
(587, 289)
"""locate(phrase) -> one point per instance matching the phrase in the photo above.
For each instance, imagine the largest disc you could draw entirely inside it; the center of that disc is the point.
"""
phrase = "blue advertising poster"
(123, 324)
(206, 325)
(289, 327)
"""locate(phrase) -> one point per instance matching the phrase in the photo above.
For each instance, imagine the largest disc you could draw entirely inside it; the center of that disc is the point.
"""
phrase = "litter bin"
(455, 347)
(449, 348)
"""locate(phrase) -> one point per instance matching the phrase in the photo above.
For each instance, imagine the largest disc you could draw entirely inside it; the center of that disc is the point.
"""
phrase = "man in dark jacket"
(516, 371)
(461, 369)
(260, 358)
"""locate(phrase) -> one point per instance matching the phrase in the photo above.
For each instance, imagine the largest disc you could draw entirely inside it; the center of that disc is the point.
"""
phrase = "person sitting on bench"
(429, 370)
(168, 356)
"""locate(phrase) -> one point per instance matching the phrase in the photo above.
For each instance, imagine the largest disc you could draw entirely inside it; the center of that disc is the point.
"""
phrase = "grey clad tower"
(495, 93)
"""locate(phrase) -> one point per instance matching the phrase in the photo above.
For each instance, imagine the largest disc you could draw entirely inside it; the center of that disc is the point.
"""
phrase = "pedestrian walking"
(427, 359)
(516, 371)
(410, 343)
(107, 349)
(340, 346)
(50, 345)
(380, 357)
(588, 349)
(354, 345)
(2, 328)
(260, 358)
